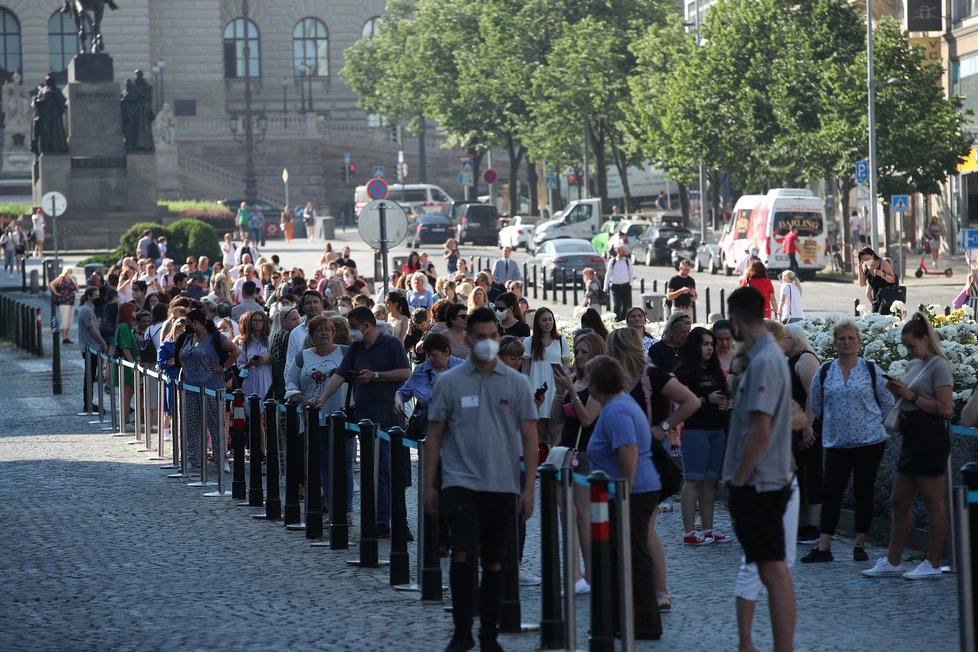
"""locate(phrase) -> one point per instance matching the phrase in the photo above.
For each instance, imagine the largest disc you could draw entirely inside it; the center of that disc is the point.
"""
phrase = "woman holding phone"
(544, 348)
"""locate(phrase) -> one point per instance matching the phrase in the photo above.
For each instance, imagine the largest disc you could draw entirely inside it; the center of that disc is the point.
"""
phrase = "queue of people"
(498, 385)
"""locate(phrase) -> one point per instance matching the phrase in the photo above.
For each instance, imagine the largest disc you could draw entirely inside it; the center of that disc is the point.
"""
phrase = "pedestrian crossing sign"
(900, 203)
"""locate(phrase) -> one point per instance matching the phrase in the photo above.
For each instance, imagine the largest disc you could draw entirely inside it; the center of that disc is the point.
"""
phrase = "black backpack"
(153, 250)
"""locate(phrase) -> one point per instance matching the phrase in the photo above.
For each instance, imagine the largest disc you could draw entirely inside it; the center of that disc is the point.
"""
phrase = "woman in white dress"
(789, 305)
(543, 348)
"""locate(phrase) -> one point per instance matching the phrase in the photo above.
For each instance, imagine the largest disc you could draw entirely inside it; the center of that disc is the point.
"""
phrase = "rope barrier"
(963, 431)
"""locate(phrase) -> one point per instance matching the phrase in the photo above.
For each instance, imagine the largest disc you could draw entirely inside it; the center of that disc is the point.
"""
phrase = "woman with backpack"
(849, 396)
(205, 356)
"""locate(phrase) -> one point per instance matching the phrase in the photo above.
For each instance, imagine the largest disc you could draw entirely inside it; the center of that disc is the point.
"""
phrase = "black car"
(431, 229)
(265, 207)
(477, 223)
(652, 247)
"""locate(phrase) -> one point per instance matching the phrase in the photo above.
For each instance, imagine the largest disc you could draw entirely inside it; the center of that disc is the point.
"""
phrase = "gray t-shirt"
(482, 413)
(763, 386)
(87, 321)
(925, 377)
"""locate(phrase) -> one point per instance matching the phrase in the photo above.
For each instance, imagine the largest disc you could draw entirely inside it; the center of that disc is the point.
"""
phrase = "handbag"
(417, 425)
(893, 419)
(669, 473)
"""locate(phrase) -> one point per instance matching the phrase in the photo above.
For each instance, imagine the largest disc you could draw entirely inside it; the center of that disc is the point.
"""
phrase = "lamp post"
(871, 93)
(310, 71)
(695, 24)
(157, 103)
(285, 95)
(299, 73)
(243, 127)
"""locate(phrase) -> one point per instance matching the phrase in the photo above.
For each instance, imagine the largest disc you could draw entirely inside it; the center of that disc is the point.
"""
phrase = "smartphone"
(541, 391)
(556, 367)
(887, 376)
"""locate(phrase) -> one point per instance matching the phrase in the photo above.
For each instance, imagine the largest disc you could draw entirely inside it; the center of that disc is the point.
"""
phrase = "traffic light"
(347, 172)
(343, 173)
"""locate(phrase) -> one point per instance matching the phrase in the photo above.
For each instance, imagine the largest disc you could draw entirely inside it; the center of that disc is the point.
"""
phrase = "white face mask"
(356, 336)
(486, 350)
(501, 314)
(343, 310)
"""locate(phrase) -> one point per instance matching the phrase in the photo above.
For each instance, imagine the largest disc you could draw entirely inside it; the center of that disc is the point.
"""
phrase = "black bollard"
(314, 498)
(400, 561)
(430, 554)
(969, 473)
(543, 276)
(655, 285)
(273, 501)
(511, 616)
(293, 466)
(855, 307)
(368, 497)
(534, 281)
(256, 496)
(947, 313)
(641, 286)
(708, 311)
(237, 442)
(602, 611)
(552, 613)
(574, 280)
(339, 531)
(526, 276)
(723, 303)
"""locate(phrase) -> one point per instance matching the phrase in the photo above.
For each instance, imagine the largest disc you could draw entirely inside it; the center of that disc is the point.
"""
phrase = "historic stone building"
(192, 52)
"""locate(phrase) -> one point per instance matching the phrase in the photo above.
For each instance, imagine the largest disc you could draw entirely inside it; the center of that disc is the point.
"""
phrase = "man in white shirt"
(505, 270)
(37, 227)
(618, 279)
(312, 305)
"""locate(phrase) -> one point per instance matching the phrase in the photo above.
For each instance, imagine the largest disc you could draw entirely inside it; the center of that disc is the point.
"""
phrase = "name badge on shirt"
(470, 401)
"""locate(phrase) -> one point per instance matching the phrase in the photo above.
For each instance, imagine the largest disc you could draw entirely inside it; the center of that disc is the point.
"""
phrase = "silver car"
(708, 254)
(566, 256)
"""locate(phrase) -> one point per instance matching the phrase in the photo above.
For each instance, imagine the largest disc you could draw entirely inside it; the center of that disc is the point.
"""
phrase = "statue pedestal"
(89, 67)
(16, 163)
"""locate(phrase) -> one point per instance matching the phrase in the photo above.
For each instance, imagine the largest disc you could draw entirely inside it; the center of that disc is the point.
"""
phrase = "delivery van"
(770, 220)
(417, 197)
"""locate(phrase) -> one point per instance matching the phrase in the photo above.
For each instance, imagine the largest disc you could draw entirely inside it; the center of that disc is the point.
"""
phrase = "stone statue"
(48, 134)
(78, 9)
(137, 114)
(16, 112)
(164, 127)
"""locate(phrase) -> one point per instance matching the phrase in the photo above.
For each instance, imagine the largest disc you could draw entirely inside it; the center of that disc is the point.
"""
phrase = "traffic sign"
(377, 188)
(490, 176)
(467, 165)
(461, 179)
(862, 171)
(54, 204)
(395, 225)
(378, 171)
(900, 204)
(551, 182)
(346, 158)
(468, 178)
(969, 239)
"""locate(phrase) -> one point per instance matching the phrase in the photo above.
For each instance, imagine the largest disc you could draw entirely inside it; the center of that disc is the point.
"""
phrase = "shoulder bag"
(669, 473)
(894, 418)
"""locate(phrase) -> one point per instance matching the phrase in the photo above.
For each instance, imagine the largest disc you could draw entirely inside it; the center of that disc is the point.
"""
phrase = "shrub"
(194, 238)
(15, 210)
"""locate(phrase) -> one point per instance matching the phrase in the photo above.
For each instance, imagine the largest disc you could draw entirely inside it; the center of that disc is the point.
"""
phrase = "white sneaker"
(527, 579)
(925, 571)
(665, 505)
(884, 568)
(581, 587)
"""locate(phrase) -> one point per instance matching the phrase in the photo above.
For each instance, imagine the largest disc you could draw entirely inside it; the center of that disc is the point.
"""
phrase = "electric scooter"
(923, 270)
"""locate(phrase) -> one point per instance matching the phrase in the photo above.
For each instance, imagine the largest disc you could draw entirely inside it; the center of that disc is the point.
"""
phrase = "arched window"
(310, 47)
(9, 44)
(63, 41)
(234, 50)
(370, 27)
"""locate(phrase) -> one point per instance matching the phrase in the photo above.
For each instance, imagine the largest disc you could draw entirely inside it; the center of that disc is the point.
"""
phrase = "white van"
(770, 220)
(419, 197)
(733, 242)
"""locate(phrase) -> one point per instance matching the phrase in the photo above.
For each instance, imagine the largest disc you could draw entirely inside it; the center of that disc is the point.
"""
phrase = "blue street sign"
(862, 171)
(378, 171)
(467, 165)
(461, 179)
(969, 239)
(346, 158)
(551, 183)
(900, 204)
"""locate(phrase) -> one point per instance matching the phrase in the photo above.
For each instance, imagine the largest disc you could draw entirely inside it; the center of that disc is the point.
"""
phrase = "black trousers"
(862, 463)
(793, 262)
(621, 295)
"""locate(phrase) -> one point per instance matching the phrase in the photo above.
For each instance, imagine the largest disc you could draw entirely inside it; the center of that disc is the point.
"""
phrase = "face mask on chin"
(486, 350)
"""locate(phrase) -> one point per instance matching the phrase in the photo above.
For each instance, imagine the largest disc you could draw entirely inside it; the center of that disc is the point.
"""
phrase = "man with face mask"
(481, 418)
(312, 305)
(757, 466)
(378, 366)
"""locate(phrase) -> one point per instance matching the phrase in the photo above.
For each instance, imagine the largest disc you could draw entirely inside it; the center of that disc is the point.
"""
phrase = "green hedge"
(192, 237)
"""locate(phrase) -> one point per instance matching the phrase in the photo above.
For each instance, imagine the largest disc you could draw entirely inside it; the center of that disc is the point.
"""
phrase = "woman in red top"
(412, 265)
(757, 279)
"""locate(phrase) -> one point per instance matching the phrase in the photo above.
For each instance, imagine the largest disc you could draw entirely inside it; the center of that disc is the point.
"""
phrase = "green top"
(124, 339)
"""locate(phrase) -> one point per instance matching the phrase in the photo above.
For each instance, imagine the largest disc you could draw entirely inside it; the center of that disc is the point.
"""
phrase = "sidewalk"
(103, 552)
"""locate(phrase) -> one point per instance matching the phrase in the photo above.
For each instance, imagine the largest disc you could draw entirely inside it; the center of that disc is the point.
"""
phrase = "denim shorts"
(702, 453)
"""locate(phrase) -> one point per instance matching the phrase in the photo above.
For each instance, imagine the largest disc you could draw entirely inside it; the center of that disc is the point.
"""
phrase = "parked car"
(270, 211)
(431, 229)
(708, 255)
(477, 224)
(569, 254)
(652, 247)
(518, 232)
(626, 234)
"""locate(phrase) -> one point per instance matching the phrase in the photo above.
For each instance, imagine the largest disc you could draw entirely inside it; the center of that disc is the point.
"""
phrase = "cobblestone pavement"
(101, 551)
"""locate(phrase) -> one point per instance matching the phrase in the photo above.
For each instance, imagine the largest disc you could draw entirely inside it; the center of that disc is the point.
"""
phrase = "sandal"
(665, 604)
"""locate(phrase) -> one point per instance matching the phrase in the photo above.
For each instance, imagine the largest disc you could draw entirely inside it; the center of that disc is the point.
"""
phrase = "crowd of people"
(743, 401)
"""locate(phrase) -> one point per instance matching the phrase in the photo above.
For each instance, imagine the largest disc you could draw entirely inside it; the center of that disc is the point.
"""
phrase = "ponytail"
(919, 326)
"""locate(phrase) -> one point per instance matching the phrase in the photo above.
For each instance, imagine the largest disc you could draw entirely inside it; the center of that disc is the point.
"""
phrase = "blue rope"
(964, 432)
(972, 497)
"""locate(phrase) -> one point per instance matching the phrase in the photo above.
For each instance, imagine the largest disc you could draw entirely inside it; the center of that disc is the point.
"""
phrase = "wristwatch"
(664, 426)
(376, 376)
(913, 398)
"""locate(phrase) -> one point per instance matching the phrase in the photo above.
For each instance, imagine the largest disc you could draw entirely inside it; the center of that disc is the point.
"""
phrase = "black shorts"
(925, 446)
(757, 518)
(479, 520)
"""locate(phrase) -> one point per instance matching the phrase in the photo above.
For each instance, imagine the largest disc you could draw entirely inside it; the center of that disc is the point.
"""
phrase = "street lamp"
(243, 127)
(300, 72)
(285, 180)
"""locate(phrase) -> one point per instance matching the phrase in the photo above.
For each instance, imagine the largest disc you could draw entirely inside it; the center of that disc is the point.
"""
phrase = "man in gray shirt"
(88, 336)
(481, 418)
(249, 290)
(757, 466)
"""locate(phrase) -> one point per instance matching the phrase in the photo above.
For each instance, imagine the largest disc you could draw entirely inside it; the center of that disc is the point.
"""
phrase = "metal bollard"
(121, 371)
(400, 561)
(641, 286)
(113, 407)
(855, 308)
(430, 568)
(273, 501)
(39, 345)
(339, 531)
(655, 285)
(162, 388)
(293, 470)
(723, 303)
(238, 443)
(534, 281)
(574, 280)
(708, 310)
(965, 568)
(204, 419)
(137, 404)
(526, 277)
(314, 499)
(623, 545)
(368, 497)
(543, 289)
(569, 554)
(563, 286)
(256, 495)
(602, 611)
(969, 473)
(551, 616)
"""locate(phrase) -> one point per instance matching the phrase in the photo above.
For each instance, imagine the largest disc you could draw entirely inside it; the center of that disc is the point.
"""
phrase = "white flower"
(898, 306)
